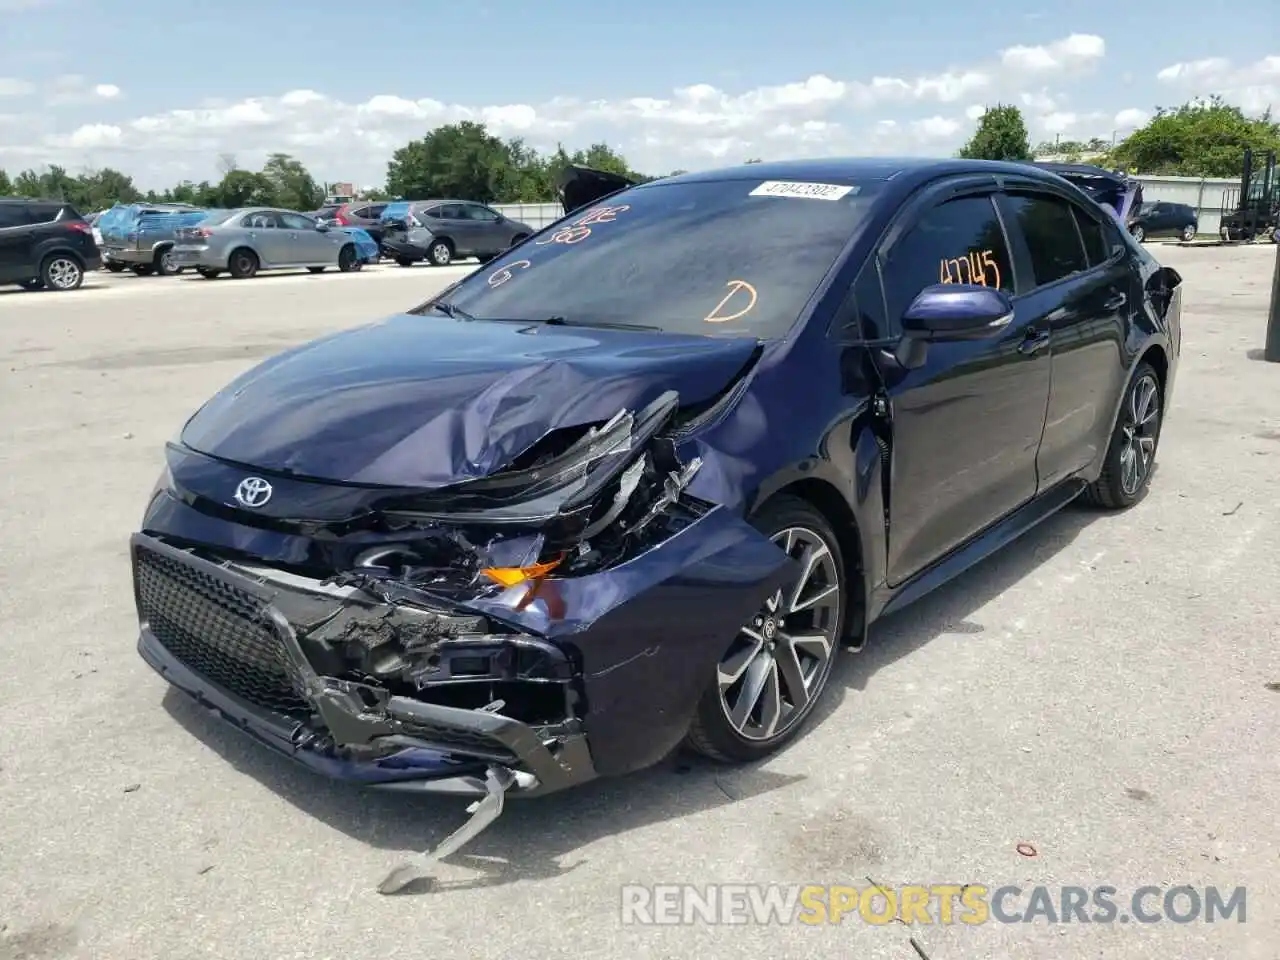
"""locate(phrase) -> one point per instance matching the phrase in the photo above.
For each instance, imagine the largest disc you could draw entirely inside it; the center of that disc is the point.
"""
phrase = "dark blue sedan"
(635, 482)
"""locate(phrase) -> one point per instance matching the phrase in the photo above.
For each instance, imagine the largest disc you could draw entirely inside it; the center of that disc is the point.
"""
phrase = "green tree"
(291, 185)
(458, 159)
(6, 185)
(244, 188)
(102, 188)
(1001, 135)
(1205, 138)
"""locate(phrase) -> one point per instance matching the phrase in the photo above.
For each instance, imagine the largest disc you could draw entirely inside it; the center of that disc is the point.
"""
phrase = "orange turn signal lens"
(514, 576)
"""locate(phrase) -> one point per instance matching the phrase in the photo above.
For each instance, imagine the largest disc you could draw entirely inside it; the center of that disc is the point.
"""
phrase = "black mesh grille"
(214, 629)
(457, 738)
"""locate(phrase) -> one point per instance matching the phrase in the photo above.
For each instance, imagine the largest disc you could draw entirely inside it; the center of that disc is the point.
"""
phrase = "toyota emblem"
(253, 492)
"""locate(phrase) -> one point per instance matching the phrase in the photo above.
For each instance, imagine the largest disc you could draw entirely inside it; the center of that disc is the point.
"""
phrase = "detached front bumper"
(227, 640)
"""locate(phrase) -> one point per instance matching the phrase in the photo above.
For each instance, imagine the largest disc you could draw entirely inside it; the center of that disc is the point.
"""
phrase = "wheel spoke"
(754, 680)
(1128, 467)
(732, 667)
(813, 555)
(815, 599)
(817, 645)
(792, 675)
(771, 701)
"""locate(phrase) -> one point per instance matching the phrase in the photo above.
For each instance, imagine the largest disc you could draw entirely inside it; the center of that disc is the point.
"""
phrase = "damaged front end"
(524, 632)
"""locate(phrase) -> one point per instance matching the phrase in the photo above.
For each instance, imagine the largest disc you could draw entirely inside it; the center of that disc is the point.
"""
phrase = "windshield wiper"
(451, 311)
(604, 324)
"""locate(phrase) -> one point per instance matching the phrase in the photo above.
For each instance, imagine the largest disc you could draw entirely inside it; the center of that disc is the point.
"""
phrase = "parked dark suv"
(1163, 219)
(45, 244)
(440, 231)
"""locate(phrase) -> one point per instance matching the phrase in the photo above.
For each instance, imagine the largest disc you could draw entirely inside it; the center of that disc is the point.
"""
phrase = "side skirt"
(994, 538)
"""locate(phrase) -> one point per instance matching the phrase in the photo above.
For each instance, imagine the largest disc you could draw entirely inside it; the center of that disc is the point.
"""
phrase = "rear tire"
(777, 662)
(242, 264)
(1131, 454)
(1188, 233)
(441, 253)
(61, 272)
(163, 264)
(348, 260)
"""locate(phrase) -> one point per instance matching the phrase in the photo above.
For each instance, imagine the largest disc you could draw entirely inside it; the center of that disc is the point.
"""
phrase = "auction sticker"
(807, 191)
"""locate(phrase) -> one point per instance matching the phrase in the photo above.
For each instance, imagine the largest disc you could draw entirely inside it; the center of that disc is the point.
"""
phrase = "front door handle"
(1035, 340)
(1116, 302)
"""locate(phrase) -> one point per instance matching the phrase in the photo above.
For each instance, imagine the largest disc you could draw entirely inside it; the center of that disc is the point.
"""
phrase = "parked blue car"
(366, 246)
(635, 482)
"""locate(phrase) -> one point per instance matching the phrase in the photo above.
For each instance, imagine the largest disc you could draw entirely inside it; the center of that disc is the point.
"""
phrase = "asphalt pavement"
(1106, 691)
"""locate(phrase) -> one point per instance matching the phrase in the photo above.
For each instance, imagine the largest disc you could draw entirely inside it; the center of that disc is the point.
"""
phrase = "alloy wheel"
(778, 663)
(441, 254)
(63, 274)
(166, 262)
(1139, 234)
(1188, 233)
(1141, 429)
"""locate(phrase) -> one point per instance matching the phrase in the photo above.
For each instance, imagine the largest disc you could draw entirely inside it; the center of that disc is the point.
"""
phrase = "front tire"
(348, 261)
(1131, 455)
(1188, 233)
(772, 676)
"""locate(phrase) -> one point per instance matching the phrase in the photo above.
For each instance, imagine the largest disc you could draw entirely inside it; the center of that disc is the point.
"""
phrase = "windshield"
(729, 257)
(395, 211)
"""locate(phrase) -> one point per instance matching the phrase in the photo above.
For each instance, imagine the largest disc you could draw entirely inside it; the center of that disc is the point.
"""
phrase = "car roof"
(854, 170)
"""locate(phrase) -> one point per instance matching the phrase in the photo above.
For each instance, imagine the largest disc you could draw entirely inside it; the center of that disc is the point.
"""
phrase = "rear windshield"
(395, 211)
(722, 258)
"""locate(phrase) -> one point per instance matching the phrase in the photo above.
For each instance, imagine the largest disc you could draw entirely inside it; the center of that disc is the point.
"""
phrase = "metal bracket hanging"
(497, 780)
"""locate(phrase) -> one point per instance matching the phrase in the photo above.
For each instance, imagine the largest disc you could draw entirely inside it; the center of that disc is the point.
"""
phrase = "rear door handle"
(1035, 340)
(1116, 302)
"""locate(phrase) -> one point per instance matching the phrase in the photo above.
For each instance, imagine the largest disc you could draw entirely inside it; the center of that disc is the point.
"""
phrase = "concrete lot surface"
(1105, 690)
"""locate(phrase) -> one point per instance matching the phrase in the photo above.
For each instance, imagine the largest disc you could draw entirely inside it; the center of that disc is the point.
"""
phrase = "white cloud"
(94, 136)
(72, 89)
(690, 126)
(1130, 119)
(15, 87)
(1076, 52)
(1254, 87)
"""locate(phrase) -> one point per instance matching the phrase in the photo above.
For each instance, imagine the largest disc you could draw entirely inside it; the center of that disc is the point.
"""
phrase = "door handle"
(1116, 302)
(1035, 340)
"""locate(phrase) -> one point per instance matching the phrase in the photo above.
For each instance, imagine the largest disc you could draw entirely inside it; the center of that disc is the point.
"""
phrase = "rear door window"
(1092, 233)
(13, 215)
(1053, 241)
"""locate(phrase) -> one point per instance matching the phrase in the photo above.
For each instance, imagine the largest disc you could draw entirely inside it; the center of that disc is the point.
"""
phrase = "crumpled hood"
(427, 402)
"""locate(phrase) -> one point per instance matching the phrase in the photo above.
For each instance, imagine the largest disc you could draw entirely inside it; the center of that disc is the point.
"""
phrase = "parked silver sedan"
(242, 242)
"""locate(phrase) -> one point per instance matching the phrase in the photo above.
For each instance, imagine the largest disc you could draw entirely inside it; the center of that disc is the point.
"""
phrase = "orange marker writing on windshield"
(735, 287)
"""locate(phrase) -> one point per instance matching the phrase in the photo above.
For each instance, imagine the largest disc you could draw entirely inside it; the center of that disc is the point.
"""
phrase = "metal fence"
(536, 215)
(1206, 196)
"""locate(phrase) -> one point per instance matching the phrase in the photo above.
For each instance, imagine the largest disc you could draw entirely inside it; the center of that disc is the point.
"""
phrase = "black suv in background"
(45, 244)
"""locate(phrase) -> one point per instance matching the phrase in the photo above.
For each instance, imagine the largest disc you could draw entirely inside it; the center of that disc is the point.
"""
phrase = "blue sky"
(161, 89)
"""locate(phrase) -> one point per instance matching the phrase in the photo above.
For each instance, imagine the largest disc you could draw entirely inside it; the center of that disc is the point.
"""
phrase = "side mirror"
(956, 311)
(322, 227)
